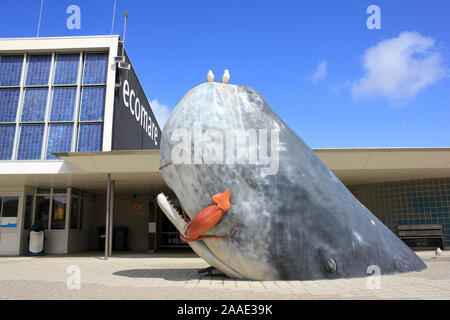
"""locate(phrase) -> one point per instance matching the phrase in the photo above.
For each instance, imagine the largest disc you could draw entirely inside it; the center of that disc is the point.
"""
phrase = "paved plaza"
(175, 276)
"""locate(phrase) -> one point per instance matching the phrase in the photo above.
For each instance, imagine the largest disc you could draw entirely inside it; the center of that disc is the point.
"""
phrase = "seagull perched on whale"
(210, 76)
(226, 76)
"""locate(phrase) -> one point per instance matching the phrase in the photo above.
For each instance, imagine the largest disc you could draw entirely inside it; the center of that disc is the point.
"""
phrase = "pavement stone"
(174, 276)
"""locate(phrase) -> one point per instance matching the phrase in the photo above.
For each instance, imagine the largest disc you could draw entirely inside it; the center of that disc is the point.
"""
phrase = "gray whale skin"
(300, 223)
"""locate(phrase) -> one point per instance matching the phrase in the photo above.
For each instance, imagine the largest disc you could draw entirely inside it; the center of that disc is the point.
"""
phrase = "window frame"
(21, 71)
(89, 85)
(24, 87)
(50, 207)
(19, 106)
(13, 122)
(76, 121)
(71, 193)
(76, 108)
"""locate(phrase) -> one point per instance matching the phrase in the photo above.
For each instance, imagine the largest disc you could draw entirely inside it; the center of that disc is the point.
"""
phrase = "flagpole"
(114, 14)
(40, 16)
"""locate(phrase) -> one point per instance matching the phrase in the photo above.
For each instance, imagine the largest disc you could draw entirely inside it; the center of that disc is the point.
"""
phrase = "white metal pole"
(108, 202)
(114, 14)
(40, 16)
(124, 31)
(111, 217)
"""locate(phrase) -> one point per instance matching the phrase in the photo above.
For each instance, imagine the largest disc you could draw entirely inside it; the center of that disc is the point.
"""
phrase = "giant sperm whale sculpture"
(287, 217)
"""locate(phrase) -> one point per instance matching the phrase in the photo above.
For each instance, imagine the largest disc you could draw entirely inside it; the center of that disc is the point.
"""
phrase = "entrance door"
(9, 230)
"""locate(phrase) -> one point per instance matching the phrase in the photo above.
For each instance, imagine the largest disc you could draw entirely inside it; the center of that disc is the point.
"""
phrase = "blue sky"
(332, 80)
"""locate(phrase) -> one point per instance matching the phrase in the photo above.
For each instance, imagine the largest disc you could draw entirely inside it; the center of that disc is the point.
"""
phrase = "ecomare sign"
(134, 126)
(139, 111)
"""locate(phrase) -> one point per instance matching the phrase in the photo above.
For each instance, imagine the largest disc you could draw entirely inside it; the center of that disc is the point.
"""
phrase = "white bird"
(210, 76)
(438, 252)
(226, 76)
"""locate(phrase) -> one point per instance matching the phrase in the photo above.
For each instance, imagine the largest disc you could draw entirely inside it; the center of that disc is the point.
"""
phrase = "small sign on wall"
(151, 227)
(10, 222)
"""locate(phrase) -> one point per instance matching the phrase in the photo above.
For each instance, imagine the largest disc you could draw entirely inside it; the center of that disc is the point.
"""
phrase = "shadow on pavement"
(168, 274)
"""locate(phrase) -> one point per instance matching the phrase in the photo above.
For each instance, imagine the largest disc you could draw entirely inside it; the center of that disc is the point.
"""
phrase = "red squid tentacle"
(208, 237)
(167, 164)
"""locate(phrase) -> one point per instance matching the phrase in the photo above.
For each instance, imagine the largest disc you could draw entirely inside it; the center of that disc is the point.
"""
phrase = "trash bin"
(36, 241)
(120, 238)
(101, 238)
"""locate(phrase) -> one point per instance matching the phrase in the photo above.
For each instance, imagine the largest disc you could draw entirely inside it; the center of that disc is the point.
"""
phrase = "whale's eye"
(331, 265)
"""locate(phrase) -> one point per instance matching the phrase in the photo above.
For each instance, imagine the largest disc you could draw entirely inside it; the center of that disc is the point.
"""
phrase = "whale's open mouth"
(180, 222)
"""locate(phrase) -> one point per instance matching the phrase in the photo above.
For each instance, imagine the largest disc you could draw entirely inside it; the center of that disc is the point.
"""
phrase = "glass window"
(42, 211)
(28, 208)
(34, 105)
(7, 133)
(63, 191)
(59, 139)
(92, 103)
(55, 76)
(9, 99)
(10, 207)
(38, 70)
(59, 212)
(63, 104)
(90, 137)
(95, 68)
(43, 190)
(30, 143)
(74, 210)
(10, 70)
(66, 69)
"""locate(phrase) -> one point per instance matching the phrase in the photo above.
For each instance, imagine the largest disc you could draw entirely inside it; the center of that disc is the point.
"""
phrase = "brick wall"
(124, 215)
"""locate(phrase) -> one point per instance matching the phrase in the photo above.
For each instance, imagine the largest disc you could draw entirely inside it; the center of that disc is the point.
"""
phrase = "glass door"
(9, 231)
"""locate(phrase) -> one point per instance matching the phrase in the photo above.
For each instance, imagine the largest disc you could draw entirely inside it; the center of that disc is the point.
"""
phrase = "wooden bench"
(421, 232)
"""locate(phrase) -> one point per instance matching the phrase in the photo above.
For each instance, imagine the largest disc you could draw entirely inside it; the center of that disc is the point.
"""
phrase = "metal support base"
(207, 270)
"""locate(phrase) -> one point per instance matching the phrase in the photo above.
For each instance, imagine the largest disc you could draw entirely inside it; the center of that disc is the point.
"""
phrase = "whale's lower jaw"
(198, 246)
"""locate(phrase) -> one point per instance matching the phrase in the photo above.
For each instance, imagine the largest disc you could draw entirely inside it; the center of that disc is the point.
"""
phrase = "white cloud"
(161, 112)
(400, 67)
(321, 72)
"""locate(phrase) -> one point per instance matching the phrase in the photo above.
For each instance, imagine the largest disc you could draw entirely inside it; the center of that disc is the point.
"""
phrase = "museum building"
(79, 155)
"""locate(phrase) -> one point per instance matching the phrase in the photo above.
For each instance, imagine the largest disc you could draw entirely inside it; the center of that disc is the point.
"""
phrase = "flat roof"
(138, 170)
(59, 44)
(62, 37)
(351, 165)
(375, 165)
(133, 171)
